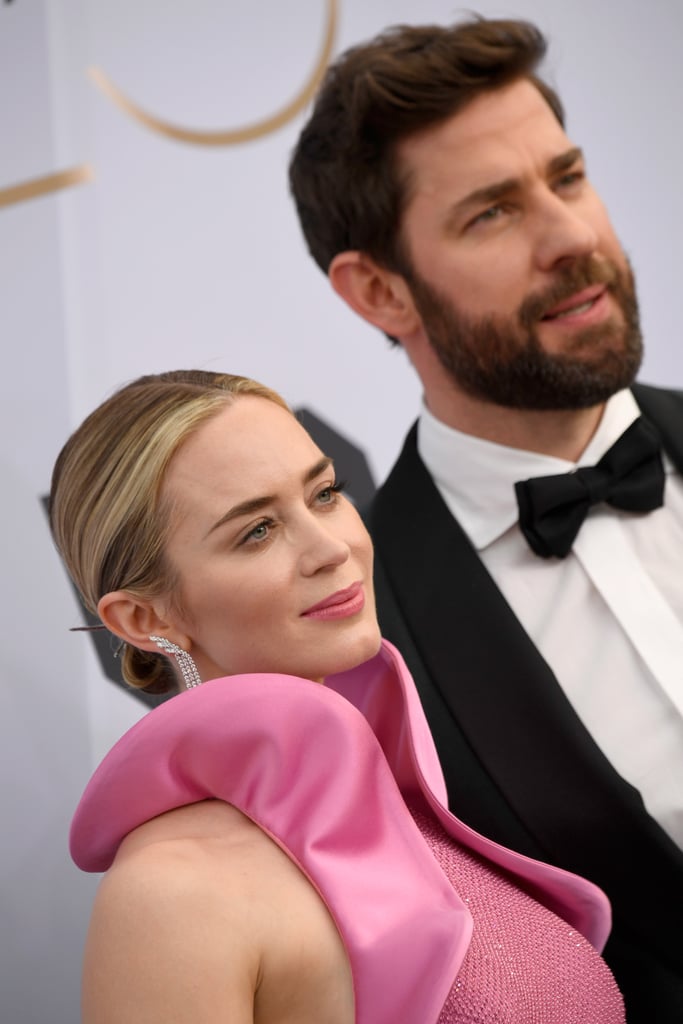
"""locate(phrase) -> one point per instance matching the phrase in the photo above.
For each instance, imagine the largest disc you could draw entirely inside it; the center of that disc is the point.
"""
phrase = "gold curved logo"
(230, 136)
(44, 185)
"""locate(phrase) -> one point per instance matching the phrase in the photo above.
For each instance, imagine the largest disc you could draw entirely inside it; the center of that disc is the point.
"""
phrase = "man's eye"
(570, 179)
(492, 213)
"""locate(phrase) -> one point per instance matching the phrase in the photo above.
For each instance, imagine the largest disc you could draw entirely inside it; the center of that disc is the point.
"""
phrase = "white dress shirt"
(608, 618)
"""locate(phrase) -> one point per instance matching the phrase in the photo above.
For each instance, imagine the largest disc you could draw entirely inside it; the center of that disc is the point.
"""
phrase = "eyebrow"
(492, 193)
(247, 508)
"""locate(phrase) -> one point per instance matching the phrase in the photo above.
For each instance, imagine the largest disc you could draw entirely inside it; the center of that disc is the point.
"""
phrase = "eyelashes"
(337, 487)
(262, 531)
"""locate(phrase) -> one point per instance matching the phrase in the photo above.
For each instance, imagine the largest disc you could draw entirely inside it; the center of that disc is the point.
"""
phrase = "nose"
(564, 232)
(322, 547)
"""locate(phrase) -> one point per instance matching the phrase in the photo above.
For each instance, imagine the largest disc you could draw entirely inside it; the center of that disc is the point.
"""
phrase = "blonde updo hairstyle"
(107, 514)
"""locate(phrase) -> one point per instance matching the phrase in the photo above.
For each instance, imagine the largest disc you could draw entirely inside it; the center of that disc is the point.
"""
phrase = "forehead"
(498, 134)
(250, 447)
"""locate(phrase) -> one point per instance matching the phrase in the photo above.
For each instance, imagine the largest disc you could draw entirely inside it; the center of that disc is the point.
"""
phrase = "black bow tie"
(629, 476)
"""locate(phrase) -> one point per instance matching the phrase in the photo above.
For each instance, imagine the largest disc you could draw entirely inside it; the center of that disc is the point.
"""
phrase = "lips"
(576, 304)
(338, 605)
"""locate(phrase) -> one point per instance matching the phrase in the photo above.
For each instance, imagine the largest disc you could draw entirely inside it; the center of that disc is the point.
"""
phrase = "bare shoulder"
(203, 918)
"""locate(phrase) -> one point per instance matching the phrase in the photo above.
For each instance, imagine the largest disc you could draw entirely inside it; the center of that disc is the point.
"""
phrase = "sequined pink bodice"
(524, 965)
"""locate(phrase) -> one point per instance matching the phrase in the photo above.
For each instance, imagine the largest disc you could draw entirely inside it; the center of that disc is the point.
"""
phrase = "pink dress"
(440, 924)
(524, 964)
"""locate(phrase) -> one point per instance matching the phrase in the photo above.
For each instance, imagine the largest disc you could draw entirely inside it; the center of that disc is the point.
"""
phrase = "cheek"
(498, 273)
(205, 598)
(356, 535)
(614, 248)
(493, 289)
(367, 551)
(603, 225)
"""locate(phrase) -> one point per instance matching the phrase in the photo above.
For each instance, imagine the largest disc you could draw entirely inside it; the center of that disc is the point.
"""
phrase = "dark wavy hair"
(343, 174)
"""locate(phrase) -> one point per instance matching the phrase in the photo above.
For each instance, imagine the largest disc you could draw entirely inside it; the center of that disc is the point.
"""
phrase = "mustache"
(570, 280)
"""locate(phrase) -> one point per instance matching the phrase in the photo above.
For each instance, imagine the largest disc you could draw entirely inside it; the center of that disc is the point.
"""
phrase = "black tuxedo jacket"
(519, 765)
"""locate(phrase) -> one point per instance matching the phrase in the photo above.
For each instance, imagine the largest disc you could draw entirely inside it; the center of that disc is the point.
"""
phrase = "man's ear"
(380, 296)
(135, 619)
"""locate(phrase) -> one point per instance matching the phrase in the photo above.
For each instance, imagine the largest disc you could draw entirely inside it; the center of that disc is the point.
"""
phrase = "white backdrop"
(163, 254)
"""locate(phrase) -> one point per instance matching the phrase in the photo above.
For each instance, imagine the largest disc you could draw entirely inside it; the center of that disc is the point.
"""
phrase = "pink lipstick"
(339, 605)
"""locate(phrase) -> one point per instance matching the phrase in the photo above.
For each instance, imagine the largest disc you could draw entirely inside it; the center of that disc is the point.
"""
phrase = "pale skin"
(498, 200)
(202, 918)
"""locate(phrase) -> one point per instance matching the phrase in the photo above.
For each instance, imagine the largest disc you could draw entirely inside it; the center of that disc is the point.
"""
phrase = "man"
(436, 186)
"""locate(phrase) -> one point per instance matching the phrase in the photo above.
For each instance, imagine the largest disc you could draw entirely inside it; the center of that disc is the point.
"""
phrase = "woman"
(278, 850)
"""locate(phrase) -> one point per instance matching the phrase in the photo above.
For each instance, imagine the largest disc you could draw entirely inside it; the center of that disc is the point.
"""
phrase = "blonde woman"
(275, 837)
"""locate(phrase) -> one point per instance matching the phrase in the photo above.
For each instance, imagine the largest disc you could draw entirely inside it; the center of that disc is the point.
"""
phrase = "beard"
(502, 360)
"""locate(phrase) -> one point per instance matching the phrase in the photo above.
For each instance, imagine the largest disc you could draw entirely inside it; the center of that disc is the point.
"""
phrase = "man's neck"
(561, 433)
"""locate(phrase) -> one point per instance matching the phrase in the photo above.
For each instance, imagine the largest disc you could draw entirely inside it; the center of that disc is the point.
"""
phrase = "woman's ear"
(380, 296)
(135, 619)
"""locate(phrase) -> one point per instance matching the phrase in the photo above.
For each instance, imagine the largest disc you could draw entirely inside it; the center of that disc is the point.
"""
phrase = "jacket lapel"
(665, 410)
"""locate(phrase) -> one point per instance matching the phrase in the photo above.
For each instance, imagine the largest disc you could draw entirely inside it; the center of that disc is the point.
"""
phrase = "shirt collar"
(476, 478)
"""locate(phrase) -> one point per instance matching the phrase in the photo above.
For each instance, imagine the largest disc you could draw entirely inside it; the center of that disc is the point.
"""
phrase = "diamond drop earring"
(185, 662)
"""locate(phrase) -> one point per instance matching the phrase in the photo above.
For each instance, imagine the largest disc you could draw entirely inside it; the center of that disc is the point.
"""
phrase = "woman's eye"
(259, 532)
(328, 494)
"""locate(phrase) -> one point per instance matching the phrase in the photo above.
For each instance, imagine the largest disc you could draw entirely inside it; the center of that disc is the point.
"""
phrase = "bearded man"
(530, 537)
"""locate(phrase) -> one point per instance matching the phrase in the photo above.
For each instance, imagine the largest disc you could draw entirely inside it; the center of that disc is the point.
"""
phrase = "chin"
(362, 650)
(351, 652)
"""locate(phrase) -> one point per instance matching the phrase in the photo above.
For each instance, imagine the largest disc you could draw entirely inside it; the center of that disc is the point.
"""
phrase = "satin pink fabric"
(320, 769)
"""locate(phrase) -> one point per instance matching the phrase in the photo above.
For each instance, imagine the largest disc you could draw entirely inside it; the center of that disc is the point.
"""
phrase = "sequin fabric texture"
(525, 965)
